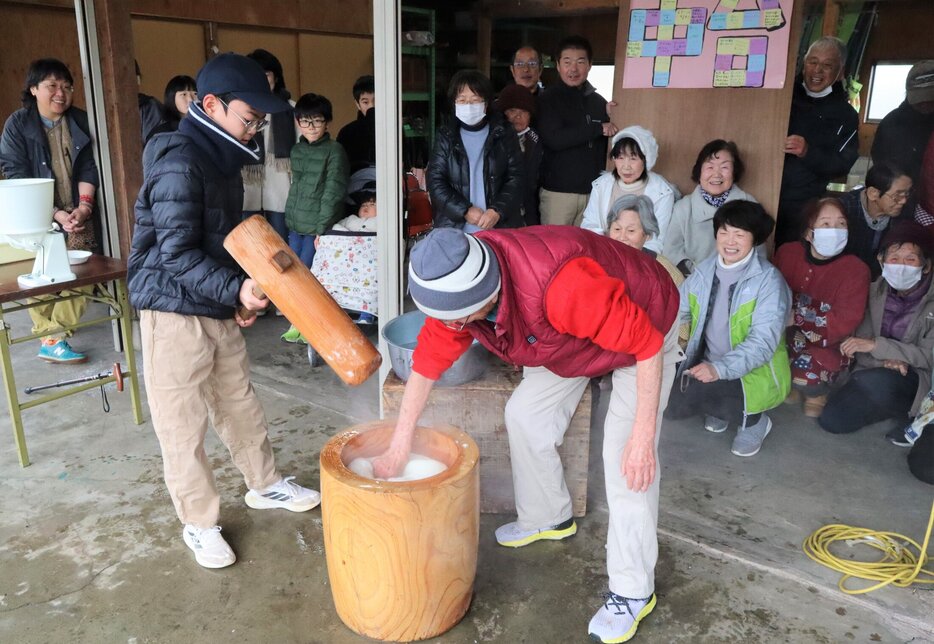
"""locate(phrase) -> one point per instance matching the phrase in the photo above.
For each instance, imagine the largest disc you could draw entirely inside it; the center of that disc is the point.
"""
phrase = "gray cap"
(452, 274)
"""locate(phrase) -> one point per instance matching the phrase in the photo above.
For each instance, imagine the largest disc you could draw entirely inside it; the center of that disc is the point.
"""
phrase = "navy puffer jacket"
(191, 198)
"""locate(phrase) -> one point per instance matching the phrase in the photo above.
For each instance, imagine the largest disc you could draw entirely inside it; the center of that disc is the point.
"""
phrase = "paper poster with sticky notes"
(707, 43)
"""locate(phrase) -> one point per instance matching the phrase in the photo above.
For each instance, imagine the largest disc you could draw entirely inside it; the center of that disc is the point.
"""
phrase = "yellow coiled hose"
(898, 565)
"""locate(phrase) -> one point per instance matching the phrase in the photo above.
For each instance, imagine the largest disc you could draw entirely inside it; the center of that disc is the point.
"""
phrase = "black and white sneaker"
(284, 494)
(897, 436)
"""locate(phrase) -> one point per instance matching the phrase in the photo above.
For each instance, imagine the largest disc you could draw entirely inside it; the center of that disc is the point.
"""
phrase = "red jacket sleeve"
(437, 349)
(583, 301)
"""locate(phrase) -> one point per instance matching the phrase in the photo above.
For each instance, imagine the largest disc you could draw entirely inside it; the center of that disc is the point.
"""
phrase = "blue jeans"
(303, 246)
(870, 396)
(276, 220)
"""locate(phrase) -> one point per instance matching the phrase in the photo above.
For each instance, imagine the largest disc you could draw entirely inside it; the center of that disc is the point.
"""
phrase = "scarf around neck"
(715, 200)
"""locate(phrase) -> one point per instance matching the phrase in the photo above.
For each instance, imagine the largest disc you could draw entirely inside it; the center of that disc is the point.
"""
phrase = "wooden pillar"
(484, 42)
(115, 39)
(831, 17)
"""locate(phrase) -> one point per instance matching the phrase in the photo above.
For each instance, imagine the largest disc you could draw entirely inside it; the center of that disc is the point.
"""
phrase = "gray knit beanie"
(452, 274)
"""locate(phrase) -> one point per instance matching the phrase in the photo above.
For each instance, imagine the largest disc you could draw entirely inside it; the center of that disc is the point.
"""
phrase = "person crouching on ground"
(737, 303)
(568, 305)
(187, 289)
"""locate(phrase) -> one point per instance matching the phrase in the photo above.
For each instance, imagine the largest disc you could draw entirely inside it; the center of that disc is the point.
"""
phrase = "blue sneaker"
(60, 351)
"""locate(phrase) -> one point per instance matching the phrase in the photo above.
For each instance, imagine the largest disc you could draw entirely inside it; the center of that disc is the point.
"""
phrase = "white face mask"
(830, 242)
(470, 114)
(901, 277)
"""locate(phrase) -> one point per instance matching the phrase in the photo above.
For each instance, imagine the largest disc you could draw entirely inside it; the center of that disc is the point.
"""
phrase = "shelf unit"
(419, 118)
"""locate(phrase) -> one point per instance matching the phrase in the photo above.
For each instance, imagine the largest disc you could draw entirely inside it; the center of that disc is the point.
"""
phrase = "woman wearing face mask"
(829, 290)
(634, 152)
(475, 175)
(893, 343)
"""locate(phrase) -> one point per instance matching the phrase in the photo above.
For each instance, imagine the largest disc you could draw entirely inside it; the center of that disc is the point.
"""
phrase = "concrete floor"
(90, 549)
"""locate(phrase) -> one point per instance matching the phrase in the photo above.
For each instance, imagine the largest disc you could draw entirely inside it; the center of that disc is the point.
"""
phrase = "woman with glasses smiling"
(870, 210)
(49, 138)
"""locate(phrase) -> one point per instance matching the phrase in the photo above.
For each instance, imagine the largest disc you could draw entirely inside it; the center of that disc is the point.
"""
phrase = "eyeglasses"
(53, 88)
(529, 64)
(455, 325)
(898, 195)
(315, 122)
(257, 125)
(475, 100)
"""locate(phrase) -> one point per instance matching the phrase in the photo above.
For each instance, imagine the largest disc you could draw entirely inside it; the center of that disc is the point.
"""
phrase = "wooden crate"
(477, 407)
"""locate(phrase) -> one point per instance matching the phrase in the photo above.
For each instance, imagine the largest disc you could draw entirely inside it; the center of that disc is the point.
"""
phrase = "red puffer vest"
(529, 258)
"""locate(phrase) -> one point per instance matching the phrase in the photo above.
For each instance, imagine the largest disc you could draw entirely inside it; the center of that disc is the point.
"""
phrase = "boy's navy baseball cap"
(243, 78)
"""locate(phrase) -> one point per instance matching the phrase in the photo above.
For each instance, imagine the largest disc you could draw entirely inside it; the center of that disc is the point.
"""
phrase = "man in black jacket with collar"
(187, 289)
(822, 141)
(574, 126)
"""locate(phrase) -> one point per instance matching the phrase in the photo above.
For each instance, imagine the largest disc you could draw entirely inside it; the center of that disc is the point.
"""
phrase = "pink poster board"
(707, 43)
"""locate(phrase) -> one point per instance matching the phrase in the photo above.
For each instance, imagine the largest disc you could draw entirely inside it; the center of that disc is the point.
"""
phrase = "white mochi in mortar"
(418, 467)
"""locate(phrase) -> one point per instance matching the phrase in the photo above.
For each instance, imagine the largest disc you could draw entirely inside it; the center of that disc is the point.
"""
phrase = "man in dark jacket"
(903, 134)
(574, 126)
(359, 136)
(822, 140)
(187, 288)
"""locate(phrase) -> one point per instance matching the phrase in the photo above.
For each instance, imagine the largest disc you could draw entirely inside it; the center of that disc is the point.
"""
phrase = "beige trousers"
(537, 416)
(196, 369)
(562, 208)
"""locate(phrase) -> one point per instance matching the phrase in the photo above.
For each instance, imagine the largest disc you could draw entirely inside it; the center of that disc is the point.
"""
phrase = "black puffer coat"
(449, 175)
(191, 198)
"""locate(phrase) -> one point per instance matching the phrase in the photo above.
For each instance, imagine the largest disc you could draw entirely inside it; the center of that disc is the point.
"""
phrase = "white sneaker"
(284, 494)
(211, 551)
(618, 618)
(512, 536)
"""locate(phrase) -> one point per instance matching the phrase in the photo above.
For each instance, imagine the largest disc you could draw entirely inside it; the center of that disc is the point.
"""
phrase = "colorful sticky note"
(737, 78)
(680, 47)
(662, 64)
(665, 48)
(717, 22)
(724, 46)
(756, 63)
(758, 46)
(683, 17)
(754, 79)
(669, 5)
(752, 19)
(723, 62)
(651, 17)
(634, 49)
(695, 40)
(660, 79)
(773, 18)
(734, 20)
(698, 15)
(648, 48)
(769, 4)
(665, 32)
(741, 46)
(728, 4)
(667, 17)
(637, 24)
(721, 79)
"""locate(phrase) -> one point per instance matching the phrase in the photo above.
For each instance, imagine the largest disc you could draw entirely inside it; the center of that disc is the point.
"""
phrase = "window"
(601, 77)
(886, 88)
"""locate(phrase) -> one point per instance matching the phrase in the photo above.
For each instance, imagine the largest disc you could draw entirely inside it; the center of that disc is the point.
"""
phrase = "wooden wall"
(27, 35)
(903, 31)
(683, 120)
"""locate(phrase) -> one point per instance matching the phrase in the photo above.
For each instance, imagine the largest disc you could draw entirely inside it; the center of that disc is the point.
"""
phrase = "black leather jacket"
(449, 175)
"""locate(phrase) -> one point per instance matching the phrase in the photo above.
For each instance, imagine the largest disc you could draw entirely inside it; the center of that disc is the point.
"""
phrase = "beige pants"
(562, 208)
(196, 369)
(49, 319)
(537, 416)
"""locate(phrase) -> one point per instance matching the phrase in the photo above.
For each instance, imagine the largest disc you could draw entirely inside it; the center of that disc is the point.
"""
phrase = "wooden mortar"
(401, 557)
